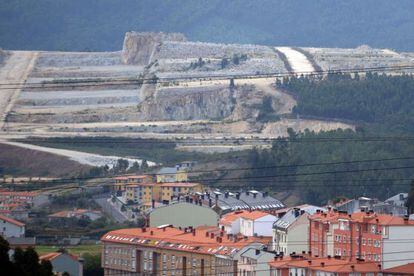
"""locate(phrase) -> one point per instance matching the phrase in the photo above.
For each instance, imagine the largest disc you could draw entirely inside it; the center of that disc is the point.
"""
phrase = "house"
(77, 213)
(291, 231)
(254, 261)
(64, 262)
(14, 210)
(248, 223)
(171, 174)
(183, 214)
(27, 198)
(398, 200)
(186, 165)
(190, 251)
(11, 228)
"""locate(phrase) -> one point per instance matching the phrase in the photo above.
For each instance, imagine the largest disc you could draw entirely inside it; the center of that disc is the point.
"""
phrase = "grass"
(94, 249)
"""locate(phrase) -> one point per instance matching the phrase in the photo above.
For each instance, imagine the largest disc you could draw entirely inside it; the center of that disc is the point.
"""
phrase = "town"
(188, 228)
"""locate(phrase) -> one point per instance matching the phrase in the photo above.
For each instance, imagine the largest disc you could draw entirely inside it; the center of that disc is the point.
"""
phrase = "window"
(369, 242)
(364, 242)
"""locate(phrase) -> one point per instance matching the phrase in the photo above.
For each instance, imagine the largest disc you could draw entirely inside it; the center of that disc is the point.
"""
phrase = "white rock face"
(139, 47)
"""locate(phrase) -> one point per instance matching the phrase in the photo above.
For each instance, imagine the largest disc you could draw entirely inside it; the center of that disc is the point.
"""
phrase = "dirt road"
(78, 156)
(12, 78)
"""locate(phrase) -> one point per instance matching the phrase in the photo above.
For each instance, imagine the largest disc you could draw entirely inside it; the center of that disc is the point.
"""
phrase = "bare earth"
(12, 77)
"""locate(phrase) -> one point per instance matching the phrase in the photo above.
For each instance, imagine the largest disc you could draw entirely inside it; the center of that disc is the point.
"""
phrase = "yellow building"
(143, 193)
(171, 174)
(121, 182)
(169, 190)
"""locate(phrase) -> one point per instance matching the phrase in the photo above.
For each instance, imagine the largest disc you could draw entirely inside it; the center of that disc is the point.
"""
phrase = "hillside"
(99, 25)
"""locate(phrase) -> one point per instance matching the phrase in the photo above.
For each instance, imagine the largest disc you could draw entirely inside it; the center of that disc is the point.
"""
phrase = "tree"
(144, 165)
(6, 265)
(121, 165)
(92, 265)
(46, 268)
(135, 167)
(27, 262)
(410, 199)
(224, 63)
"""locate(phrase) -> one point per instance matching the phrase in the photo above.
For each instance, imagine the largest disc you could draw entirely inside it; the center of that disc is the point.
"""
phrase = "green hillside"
(100, 24)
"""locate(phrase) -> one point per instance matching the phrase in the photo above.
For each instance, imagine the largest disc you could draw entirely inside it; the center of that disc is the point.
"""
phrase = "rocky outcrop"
(139, 47)
(204, 103)
(188, 104)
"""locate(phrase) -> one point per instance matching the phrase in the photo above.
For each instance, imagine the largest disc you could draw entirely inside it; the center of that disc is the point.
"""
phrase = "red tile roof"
(407, 269)
(12, 221)
(230, 217)
(201, 241)
(326, 264)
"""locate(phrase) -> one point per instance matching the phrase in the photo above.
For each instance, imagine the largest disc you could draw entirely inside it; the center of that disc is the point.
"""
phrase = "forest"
(100, 25)
(381, 107)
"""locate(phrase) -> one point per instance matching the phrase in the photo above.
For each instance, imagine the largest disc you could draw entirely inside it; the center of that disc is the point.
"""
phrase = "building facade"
(170, 251)
(11, 228)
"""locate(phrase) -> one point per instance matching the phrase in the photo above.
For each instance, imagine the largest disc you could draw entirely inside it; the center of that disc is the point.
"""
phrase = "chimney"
(219, 239)
(152, 233)
(163, 229)
(217, 196)
(144, 230)
(247, 193)
(329, 257)
(210, 202)
(406, 218)
(153, 204)
(194, 232)
(211, 235)
(257, 251)
(226, 194)
(322, 264)
(309, 262)
(222, 228)
(265, 194)
(238, 196)
(254, 195)
(221, 233)
(207, 234)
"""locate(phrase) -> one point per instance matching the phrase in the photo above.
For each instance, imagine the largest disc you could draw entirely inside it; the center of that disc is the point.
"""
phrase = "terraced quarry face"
(70, 94)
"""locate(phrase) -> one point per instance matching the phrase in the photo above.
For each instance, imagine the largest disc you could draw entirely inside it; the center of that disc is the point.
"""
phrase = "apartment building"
(363, 236)
(122, 182)
(304, 265)
(171, 251)
(171, 190)
(145, 193)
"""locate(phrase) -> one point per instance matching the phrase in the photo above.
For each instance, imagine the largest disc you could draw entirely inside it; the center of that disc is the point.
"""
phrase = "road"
(78, 156)
(110, 210)
(13, 75)
(298, 61)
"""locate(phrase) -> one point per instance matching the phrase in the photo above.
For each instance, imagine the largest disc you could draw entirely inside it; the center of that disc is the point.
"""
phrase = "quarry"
(165, 87)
